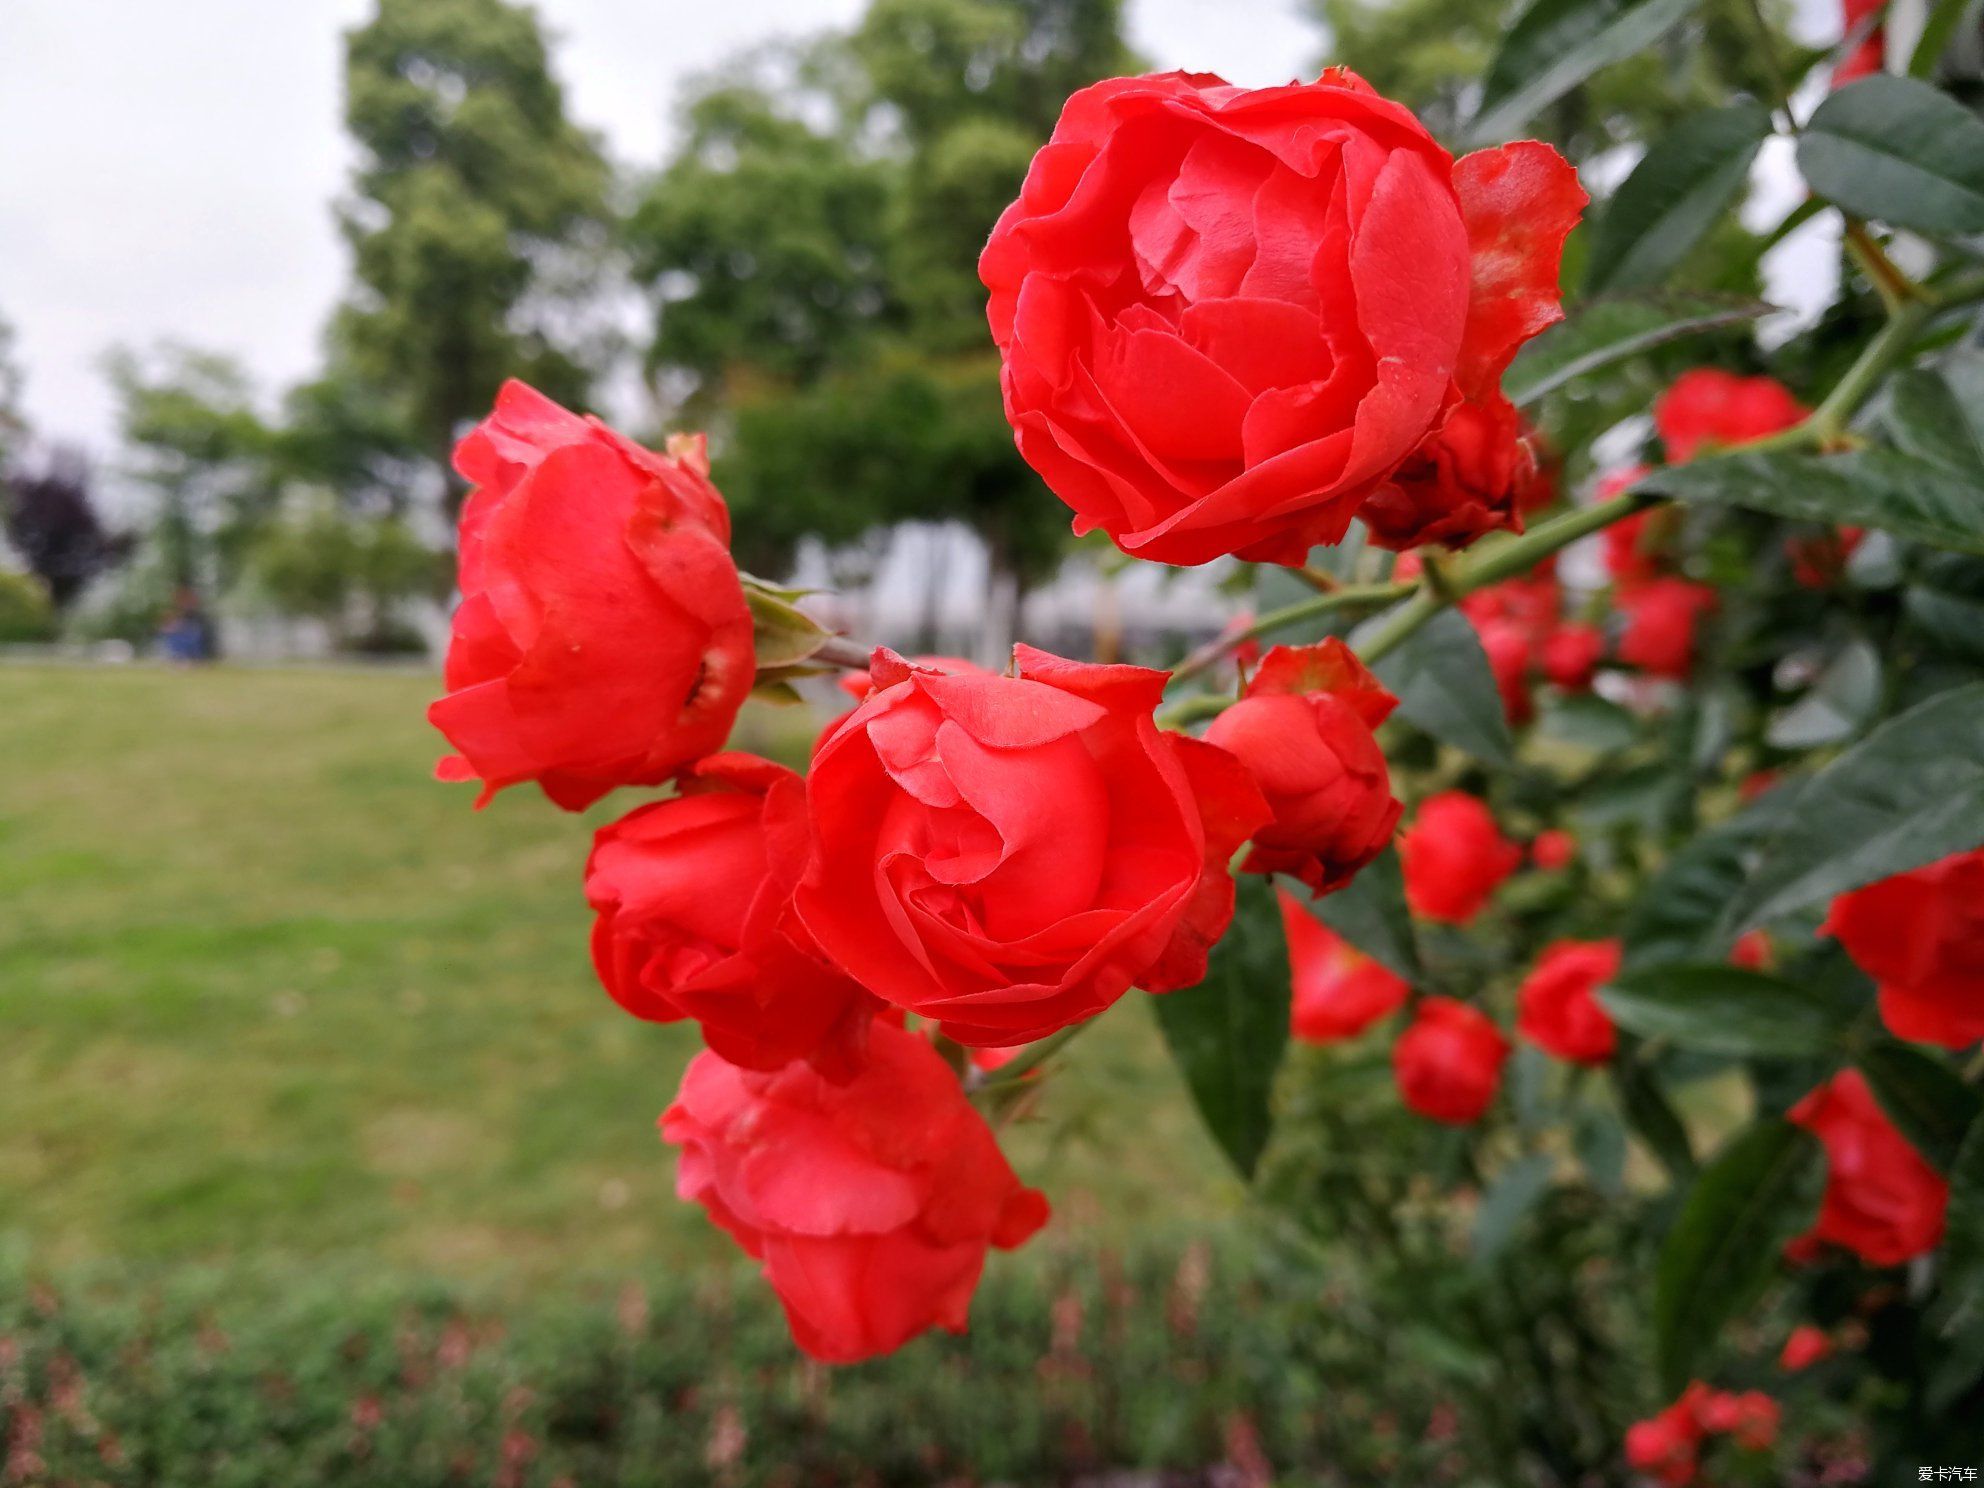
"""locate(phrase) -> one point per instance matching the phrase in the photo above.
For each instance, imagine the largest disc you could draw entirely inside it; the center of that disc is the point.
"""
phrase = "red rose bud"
(1454, 857)
(1869, 54)
(1570, 655)
(1882, 1201)
(1710, 409)
(1752, 951)
(1805, 1347)
(1661, 616)
(1553, 851)
(1303, 730)
(1338, 990)
(603, 638)
(1227, 315)
(1449, 1062)
(1556, 1007)
(1475, 473)
(1819, 559)
(1009, 855)
(1920, 936)
(870, 1205)
(694, 904)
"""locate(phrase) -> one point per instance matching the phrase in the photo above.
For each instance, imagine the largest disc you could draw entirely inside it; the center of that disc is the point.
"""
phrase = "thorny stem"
(1027, 1060)
(1347, 597)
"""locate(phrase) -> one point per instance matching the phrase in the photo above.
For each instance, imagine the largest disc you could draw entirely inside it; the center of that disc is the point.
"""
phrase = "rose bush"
(1724, 682)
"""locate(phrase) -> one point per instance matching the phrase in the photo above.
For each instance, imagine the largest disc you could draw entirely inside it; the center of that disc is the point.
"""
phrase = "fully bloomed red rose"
(1303, 730)
(1556, 1008)
(1476, 473)
(870, 1204)
(1227, 315)
(1009, 855)
(1882, 1201)
(1449, 1062)
(603, 638)
(1454, 857)
(1708, 408)
(1338, 990)
(694, 904)
(1661, 617)
(1920, 936)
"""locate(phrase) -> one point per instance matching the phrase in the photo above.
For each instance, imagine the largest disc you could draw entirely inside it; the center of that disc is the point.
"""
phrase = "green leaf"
(1910, 497)
(1946, 604)
(1441, 678)
(1228, 1034)
(1512, 1195)
(1556, 44)
(1839, 704)
(1909, 793)
(1678, 191)
(1899, 151)
(783, 634)
(1725, 1241)
(1679, 914)
(1371, 914)
(1607, 331)
(1725, 1010)
(1925, 1099)
(1963, 1242)
(1937, 413)
(1652, 1117)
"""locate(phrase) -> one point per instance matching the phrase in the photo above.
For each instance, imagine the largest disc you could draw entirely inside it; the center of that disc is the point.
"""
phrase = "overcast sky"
(168, 169)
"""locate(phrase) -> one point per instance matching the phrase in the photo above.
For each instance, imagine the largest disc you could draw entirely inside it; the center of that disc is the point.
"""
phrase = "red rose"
(694, 904)
(1752, 951)
(1920, 936)
(1818, 560)
(1554, 850)
(1635, 545)
(1008, 855)
(1667, 1446)
(1709, 408)
(870, 1204)
(1556, 1009)
(1882, 1201)
(1805, 1347)
(1570, 655)
(1477, 472)
(1869, 56)
(1303, 730)
(1661, 616)
(602, 639)
(1338, 990)
(1454, 856)
(1227, 314)
(1751, 1417)
(1449, 1062)
(1512, 619)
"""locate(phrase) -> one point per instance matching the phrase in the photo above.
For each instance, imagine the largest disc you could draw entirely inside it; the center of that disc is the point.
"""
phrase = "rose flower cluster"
(1231, 321)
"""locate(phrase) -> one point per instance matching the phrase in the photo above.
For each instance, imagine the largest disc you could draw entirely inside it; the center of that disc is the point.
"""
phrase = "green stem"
(1347, 597)
(1030, 1058)
(1890, 343)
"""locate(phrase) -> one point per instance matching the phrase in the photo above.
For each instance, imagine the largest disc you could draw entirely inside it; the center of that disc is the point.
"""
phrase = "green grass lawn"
(268, 992)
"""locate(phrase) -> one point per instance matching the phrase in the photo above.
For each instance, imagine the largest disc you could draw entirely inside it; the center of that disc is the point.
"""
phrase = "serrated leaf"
(1925, 1099)
(1909, 793)
(1839, 704)
(1899, 493)
(1370, 912)
(1725, 1242)
(1511, 1196)
(1679, 190)
(1725, 1010)
(1898, 151)
(1441, 678)
(1556, 44)
(1229, 1033)
(1937, 413)
(1607, 331)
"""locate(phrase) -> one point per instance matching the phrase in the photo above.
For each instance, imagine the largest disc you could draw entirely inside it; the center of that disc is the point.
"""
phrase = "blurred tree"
(51, 522)
(319, 561)
(203, 452)
(811, 252)
(477, 219)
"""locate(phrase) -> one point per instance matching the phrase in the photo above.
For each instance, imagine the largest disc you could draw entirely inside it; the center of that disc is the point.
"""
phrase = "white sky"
(167, 170)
